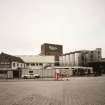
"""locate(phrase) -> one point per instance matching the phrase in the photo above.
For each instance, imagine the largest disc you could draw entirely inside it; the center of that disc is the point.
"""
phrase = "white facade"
(16, 65)
(35, 64)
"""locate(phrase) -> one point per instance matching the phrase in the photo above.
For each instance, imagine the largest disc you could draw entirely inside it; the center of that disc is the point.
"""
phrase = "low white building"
(35, 64)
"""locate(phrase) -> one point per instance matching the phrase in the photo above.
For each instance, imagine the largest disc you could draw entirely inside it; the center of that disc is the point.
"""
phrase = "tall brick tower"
(52, 49)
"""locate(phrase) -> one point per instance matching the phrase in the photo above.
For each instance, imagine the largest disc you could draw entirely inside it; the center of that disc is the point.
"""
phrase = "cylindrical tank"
(72, 59)
(67, 59)
(77, 54)
(64, 60)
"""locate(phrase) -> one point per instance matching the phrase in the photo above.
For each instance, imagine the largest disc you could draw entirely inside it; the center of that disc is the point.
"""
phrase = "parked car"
(34, 76)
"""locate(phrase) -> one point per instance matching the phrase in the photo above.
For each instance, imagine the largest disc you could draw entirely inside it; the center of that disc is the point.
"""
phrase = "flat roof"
(37, 58)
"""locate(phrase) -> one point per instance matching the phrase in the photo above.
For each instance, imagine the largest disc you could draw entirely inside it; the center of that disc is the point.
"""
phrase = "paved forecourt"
(75, 91)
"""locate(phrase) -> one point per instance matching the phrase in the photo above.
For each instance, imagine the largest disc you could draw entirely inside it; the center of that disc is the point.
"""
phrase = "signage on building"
(52, 47)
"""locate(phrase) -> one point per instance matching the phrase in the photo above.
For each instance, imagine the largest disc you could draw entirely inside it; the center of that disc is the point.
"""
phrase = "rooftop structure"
(52, 49)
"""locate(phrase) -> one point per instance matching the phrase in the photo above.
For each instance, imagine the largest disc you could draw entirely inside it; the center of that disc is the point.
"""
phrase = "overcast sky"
(76, 24)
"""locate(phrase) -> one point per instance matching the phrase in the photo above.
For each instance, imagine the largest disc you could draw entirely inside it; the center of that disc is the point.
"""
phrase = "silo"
(67, 59)
(70, 55)
(77, 55)
(64, 60)
(72, 59)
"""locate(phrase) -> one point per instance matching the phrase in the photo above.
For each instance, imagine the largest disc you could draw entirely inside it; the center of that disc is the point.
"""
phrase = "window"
(3, 72)
(40, 64)
(17, 65)
(13, 64)
(30, 72)
(33, 64)
(27, 64)
(91, 51)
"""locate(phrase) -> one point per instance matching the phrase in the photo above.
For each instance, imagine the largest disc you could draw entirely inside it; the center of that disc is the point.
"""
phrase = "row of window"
(17, 65)
(34, 64)
(27, 64)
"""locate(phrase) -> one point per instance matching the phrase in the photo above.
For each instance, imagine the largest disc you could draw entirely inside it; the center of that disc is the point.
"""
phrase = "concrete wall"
(94, 55)
(50, 73)
(42, 72)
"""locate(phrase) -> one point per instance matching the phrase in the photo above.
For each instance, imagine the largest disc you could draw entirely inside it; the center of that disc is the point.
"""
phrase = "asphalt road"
(76, 91)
